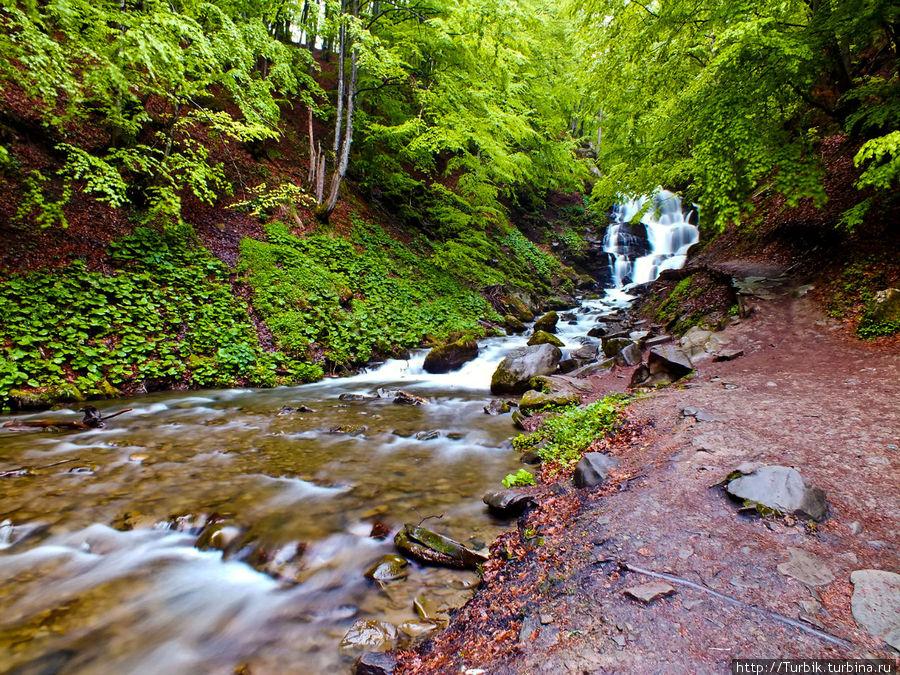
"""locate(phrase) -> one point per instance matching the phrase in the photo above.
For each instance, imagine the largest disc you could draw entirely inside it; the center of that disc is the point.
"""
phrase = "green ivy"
(167, 317)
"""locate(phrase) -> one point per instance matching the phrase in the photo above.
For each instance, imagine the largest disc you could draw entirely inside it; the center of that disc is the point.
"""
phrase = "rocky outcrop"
(516, 371)
(451, 356)
(665, 364)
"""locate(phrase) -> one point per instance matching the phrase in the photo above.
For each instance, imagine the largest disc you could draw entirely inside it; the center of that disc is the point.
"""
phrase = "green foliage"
(167, 317)
(520, 478)
(870, 328)
(670, 307)
(726, 100)
(344, 299)
(563, 437)
(265, 201)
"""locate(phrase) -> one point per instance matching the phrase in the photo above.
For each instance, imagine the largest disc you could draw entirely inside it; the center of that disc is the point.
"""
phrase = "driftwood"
(25, 470)
(92, 420)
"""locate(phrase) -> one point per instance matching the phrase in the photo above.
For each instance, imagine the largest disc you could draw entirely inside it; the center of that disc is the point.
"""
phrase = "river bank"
(804, 394)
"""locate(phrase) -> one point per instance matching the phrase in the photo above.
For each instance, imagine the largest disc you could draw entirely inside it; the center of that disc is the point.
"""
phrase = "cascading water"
(660, 241)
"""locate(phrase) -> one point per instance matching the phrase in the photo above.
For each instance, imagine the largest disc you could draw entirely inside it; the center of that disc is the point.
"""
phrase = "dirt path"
(803, 395)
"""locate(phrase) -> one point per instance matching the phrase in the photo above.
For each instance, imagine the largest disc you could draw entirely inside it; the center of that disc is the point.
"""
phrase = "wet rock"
(436, 549)
(595, 368)
(535, 400)
(568, 316)
(567, 365)
(516, 371)
(876, 604)
(650, 591)
(518, 419)
(427, 435)
(547, 323)
(806, 568)
(390, 568)
(376, 663)
(355, 397)
(531, 457)
(592, 469)
(449, 357)
(415, 629)
(585, 353)
(497, 407)
(405, 398)
(781, 489)
(728, 355)
(508, 503)
(518, 308)
(426, 608)
(544, 338)
(350, 429)
(612, 346)
(513, 325)
(369, 635)
(629, 356)
(669, 362)
(599, 331)
(379, 530)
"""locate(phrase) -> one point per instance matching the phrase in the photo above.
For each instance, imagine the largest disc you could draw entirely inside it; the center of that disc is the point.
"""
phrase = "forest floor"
(807, 394)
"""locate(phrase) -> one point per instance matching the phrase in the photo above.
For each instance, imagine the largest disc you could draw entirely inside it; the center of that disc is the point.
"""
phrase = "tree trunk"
(340, 92)
(341, 169)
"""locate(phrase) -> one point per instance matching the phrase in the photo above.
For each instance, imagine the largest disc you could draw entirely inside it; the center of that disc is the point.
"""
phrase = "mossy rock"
(882, 316)
(547, 323)
(519, 309)
(36, 399)
(452, 356)
(544, 338)
(513, 325)
(536, 400)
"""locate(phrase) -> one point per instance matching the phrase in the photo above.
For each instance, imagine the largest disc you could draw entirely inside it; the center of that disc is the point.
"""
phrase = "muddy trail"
(804, 394)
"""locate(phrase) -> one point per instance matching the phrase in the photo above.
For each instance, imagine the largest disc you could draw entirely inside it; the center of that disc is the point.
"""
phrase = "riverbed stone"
(535, 400)
(451, 356)
(376, 663)
(594, 368)
(806, 568)
(508, 503)
(586, 353)
(613, 345)
(781, 489)
(547, 323)
(390, 567)
(876, 603)
(498, 406)
(516, 370)
(650, 591)
(369, 635)
(541, 337)
(629, 356)
(513, 325)
(592, 469)
(405, 398)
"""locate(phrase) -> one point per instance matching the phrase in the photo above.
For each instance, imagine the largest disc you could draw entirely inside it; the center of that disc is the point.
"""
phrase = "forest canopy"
(447, 108)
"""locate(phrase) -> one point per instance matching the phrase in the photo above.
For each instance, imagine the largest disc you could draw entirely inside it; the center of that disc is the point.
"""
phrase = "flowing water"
(104, 564)
(660, 241)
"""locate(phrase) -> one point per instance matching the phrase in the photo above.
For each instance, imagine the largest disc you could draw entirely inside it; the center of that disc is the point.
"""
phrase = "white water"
(669, 235)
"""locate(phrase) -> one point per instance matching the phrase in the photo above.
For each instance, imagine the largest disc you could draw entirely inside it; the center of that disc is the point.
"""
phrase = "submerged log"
(92, 420)
(436, 549)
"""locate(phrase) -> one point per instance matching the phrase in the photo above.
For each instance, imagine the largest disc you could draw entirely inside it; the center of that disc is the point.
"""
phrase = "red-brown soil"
(805, 394)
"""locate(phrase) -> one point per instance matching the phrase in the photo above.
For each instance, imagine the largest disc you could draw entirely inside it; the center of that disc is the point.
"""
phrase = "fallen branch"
(92, 420)
(22, 470)
(740, 603)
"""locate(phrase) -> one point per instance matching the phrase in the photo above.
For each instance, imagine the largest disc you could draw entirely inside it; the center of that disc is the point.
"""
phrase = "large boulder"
(876, 604)
(547, 322)
(630, 355)
(516, 371)
(541, 337)
(593, 468)
(594, 368)
(698, 343)
(670, 361)
(780, 489)
(513, 325)
(451, 356)
(612, 346)
(586, 353)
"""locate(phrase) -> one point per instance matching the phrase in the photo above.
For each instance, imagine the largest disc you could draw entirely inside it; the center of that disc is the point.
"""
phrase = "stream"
(104, 565)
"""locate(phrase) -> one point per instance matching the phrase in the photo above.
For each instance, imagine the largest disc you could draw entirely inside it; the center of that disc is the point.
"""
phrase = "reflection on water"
(101, 569)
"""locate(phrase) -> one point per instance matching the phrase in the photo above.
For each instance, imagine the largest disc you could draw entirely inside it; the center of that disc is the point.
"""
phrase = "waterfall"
(660, 241)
